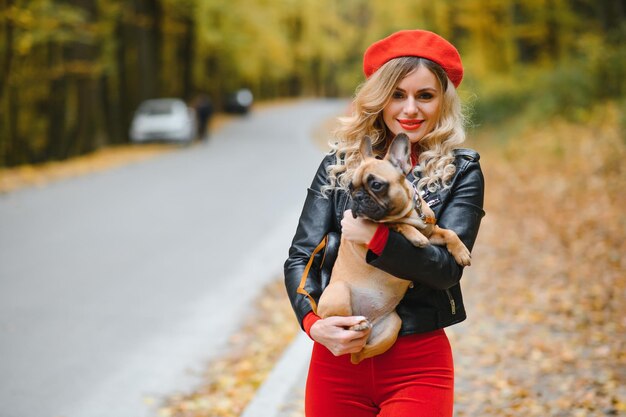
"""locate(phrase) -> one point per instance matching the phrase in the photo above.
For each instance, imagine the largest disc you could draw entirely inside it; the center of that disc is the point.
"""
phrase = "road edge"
(277, 390)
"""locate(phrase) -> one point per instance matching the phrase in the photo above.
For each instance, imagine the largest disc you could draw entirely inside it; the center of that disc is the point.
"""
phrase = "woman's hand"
(334, 333)
(357, 230)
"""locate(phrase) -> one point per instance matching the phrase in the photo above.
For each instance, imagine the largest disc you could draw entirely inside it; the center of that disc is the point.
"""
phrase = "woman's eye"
(397, 94)
(425, 96)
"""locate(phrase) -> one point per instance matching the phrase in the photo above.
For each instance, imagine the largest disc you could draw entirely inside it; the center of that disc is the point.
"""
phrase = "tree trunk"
(7, 58)
(5, 71)
(127, 94)
(552, 44)
(186, 57)
(112, 111)
(82, 59)
(149, 38)
(18, 148)
(56, 109)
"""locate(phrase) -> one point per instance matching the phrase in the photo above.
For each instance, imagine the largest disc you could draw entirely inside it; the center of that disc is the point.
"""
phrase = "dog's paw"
(417, 239)
(362, 325)
(413, 235)
(420, 243)
(463, 257)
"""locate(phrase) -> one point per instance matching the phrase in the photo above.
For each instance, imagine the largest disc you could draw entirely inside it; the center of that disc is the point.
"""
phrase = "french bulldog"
(381, 192)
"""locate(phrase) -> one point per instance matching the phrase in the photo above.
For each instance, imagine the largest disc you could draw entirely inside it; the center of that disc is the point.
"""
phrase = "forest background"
(72, 72)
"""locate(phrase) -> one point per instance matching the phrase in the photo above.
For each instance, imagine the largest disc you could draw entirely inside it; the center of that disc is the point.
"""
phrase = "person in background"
(204, 111)
(410, 87)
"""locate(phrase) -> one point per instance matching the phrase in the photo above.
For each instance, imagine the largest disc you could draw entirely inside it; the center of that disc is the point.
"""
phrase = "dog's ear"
(366, 148)
(399, 153)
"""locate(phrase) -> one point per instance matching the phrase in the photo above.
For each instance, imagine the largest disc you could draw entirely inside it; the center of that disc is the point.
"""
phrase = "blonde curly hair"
(436, 157)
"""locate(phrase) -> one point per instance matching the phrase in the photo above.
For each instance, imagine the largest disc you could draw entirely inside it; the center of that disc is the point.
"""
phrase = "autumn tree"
(72, 72)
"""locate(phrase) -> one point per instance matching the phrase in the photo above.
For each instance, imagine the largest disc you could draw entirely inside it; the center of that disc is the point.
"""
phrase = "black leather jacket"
(434, 301)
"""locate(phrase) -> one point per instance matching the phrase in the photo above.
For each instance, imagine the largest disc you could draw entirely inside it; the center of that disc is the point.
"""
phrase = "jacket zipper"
(452, 302)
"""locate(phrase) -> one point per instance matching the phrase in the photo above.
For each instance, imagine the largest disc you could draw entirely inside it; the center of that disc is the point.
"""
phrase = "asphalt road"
(117, 287)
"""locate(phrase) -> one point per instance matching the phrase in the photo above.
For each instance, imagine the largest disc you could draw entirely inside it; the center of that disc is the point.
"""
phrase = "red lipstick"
(410, 124)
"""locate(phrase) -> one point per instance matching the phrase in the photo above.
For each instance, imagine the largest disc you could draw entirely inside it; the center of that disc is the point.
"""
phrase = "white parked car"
(163, 119)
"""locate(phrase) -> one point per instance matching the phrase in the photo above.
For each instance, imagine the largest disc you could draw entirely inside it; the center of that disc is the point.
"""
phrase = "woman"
(410, 88)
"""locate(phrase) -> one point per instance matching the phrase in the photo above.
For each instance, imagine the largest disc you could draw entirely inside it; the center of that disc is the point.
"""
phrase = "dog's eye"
(376, 186)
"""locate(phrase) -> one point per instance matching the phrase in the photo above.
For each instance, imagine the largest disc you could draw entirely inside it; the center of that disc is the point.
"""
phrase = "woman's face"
(414, 105)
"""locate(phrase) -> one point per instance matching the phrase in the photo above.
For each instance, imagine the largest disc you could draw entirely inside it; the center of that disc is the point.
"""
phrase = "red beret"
(418, 43)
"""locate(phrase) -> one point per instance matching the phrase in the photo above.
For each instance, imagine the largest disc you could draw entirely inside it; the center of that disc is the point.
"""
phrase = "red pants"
(414, 378)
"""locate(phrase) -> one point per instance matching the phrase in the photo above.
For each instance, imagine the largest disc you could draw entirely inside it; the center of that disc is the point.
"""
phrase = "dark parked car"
(239, 102)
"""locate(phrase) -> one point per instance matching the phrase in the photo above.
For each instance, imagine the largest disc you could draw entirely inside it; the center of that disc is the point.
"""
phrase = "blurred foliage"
(73, 71)
(572, 86)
